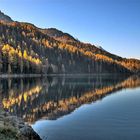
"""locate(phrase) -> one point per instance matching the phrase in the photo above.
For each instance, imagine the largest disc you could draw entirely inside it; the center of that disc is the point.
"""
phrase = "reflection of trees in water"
(53, 97)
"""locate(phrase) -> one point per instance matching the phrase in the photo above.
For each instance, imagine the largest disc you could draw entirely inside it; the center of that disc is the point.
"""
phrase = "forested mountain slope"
(25, 48)
(131, 64)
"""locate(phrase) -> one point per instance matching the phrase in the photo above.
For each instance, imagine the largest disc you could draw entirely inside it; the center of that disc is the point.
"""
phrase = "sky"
(112, 24)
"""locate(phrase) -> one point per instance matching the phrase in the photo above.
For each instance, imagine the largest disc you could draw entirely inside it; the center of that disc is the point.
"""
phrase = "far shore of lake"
(59, 74)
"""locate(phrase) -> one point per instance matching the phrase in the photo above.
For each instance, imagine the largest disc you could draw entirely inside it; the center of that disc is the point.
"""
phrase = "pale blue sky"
(113, 24)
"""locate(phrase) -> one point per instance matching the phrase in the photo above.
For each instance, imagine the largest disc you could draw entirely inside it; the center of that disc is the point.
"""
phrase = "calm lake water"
(76, 107)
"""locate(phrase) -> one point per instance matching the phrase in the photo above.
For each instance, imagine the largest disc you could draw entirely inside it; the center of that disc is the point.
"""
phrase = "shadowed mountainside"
(5, 17)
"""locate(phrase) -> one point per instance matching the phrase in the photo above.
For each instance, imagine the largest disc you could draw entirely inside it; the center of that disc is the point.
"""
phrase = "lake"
(76, 107)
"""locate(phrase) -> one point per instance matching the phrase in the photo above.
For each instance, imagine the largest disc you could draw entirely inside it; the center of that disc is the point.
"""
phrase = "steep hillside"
(131, 64)
(25, 48)
(52, 56)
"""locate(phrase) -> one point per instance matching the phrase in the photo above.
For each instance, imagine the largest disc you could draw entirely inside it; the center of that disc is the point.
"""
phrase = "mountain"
(59, 35)
(25, 48)
(4, 17)
(131, 64)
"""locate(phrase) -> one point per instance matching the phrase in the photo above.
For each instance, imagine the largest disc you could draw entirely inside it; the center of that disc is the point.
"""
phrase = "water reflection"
(53, 97)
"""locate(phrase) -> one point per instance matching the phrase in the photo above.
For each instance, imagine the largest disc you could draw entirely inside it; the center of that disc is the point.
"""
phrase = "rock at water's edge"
(14, 128)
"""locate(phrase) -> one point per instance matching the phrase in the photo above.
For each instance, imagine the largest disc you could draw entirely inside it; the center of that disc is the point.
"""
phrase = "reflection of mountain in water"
(53, 97)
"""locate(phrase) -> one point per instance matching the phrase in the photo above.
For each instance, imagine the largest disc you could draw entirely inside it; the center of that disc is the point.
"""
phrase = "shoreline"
(59, 74)
(14, 128)
(19, 75)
